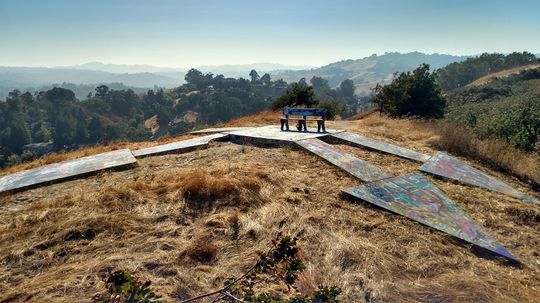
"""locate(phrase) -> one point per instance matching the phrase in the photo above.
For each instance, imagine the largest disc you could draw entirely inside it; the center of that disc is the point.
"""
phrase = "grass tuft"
(202, 250)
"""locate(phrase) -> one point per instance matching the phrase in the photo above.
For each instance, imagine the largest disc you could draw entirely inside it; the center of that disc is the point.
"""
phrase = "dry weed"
(462, 141)
(202, 250)
(62, 238)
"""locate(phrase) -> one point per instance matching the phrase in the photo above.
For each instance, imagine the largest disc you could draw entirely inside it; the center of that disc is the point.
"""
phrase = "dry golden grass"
(414, 134)
(201, 250)
(188, 222)
(462, 141)
(502, 74)
(58, 244)
(427, 137)
(267, 117)
(362, 115)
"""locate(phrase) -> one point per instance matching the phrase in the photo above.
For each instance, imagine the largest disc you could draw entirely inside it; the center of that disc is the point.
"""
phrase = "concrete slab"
(381, 146)
(178, 147)
(356, 167)
(67, 169)
(413, 196)
(214, 130)
(273, 133)
(444, 165)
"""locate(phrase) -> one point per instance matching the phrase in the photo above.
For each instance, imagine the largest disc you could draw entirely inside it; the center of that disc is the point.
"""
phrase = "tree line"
(57, 118)
(459, 74)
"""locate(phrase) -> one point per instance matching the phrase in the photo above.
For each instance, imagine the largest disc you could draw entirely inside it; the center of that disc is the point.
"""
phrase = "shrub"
(281, 264)
(297, 95)
(415, 94)
(333, 108)
(122, 287)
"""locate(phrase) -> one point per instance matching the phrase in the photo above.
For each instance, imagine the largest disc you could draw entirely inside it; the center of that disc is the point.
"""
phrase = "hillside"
(502, 74)
(504, 105)
(369, 71)
(60, 240)
(366, 72)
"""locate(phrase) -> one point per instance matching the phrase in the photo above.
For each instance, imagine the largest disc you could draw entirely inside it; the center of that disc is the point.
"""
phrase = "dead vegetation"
(462, 141)
(267, 117)
(189, 222)
(428, 137)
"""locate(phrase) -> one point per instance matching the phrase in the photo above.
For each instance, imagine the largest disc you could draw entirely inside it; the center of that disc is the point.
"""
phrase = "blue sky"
(198, 32)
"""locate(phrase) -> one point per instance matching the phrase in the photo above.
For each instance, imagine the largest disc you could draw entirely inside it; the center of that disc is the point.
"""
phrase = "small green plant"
(280, 265)
(122, 287)
(323, 295)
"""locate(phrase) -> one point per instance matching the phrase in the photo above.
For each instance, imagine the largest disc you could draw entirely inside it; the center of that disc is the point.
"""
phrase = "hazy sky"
(192, 33)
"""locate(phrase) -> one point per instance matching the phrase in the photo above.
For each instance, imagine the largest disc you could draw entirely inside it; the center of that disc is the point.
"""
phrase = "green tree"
(254, 76)
(459, 74)
(280, 83)
(296, 95)
(415, 94)
(64, 129)
(81, 130)
(320, 84)
(333, 108)
(102, 92)
(96, 130)
(19, 135)
(40, 133)
(346, 88)
(266, 80)
(164, 116)
(197, 78)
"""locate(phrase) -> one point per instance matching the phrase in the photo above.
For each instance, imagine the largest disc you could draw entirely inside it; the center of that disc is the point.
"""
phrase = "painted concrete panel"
(382, 146)
(356, 167)
(66, 169)
(442, 164)
(413, 196)
(178, 147)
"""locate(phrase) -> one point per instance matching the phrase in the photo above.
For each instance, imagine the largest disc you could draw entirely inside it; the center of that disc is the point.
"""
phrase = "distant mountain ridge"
(216, 69)
(260, 67)
(32, 76)
(369, 71)
(123, 68)
(365, 72)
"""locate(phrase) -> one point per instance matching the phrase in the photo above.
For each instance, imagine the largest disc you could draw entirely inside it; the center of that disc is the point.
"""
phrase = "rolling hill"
(366, 72)
(369, 71)
(38, 76)
(502, 74)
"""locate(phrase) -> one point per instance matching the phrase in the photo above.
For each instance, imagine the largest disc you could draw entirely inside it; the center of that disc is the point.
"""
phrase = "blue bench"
(301, 116)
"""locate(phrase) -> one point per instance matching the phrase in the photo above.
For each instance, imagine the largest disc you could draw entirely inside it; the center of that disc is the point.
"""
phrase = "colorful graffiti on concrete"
(67, 169)
(382, 146)
(179, 146)
(442, 164)
(356, 167)
(413, 196)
